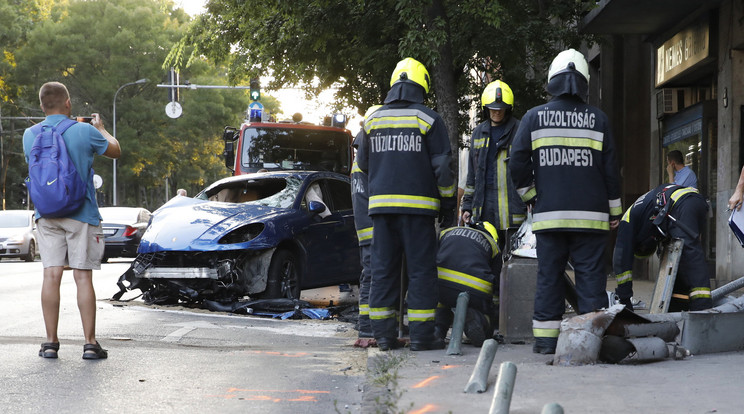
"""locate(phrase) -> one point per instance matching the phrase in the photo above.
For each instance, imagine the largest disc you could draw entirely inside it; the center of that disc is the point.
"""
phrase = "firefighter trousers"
(394, 236)
(586, 251)
(692, 273)
(365, 279)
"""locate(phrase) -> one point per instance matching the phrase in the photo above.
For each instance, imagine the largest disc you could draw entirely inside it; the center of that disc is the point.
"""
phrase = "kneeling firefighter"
(469, 260)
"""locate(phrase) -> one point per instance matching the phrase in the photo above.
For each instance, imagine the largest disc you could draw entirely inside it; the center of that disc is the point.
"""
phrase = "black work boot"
(386, 344)
(436, 343)
(544, 345)
(476, 327)
(442, 321)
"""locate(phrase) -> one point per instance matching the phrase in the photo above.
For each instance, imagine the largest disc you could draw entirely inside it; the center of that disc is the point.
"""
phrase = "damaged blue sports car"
(255, 236)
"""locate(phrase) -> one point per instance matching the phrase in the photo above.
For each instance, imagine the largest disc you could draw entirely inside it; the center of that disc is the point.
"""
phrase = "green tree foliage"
(356, 43)
(96, 46)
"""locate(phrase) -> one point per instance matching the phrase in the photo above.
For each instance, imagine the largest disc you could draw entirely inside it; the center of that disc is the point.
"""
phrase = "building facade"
(671, 77)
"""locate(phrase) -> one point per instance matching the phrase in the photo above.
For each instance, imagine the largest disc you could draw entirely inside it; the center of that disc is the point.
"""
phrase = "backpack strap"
(61, 127)
(64, 125)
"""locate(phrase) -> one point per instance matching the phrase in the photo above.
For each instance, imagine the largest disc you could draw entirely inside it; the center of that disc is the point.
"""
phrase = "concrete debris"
(580, 339)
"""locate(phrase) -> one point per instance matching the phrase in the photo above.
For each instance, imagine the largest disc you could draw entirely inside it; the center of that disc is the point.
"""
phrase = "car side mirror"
(316, 207)
(229, 136)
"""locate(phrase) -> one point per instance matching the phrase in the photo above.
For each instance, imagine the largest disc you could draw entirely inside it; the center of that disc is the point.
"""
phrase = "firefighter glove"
(447, 212)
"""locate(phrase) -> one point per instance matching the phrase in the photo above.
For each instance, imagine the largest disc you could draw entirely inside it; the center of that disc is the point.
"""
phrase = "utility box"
(516, 298)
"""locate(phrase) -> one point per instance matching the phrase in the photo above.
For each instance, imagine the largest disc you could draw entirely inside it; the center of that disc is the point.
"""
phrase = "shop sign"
(683, 51)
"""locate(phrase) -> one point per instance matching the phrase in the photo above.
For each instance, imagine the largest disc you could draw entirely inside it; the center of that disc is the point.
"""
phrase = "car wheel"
(31, 256)
(284, 276)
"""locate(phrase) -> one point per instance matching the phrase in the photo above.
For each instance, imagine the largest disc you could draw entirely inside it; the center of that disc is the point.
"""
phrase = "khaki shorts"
(69, 242)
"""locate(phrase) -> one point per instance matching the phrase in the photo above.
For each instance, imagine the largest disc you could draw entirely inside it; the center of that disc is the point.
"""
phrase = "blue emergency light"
(255, 112)
(339, 120)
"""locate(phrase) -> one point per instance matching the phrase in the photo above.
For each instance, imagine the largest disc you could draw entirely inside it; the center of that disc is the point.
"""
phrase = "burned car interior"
(244, 191)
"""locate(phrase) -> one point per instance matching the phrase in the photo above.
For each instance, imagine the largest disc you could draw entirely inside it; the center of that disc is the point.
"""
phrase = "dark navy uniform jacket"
(564, 155)
(406, 152)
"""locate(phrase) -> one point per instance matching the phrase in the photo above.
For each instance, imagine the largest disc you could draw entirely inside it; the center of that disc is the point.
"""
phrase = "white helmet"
(569, 60)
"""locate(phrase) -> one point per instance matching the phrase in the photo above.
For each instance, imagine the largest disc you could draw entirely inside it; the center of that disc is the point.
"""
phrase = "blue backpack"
(54, 184)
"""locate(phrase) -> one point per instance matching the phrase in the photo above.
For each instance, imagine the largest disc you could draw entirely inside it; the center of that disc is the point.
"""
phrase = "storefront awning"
(643, 17)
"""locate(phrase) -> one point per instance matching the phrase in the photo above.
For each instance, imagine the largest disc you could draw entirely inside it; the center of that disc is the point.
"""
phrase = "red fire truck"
(287, 145)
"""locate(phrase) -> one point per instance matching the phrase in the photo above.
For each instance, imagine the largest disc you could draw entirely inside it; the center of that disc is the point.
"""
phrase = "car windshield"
(12, 219)
(294, 149)
(270, 192)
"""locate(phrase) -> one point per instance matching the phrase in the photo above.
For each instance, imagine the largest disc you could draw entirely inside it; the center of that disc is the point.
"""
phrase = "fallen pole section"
(719, 329)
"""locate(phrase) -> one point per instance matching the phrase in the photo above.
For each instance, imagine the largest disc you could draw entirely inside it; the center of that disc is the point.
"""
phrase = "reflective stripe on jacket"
(467, 259)
(637, 229)
(511, 208)
(360, 201)
(406, 152)
(563, 154)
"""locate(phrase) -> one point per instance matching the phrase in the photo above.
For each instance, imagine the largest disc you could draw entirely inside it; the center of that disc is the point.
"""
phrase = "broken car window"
(270, 192)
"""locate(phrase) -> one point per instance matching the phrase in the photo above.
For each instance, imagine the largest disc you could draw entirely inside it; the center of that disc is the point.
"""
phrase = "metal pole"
(479, 378)
(114, 166)
(504, 388)
(458, 325)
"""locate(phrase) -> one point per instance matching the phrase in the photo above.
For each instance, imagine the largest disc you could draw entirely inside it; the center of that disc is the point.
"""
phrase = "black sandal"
(96, 351)
(49, 349)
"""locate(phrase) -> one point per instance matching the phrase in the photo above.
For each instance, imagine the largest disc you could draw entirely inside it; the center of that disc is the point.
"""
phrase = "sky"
(292, 100)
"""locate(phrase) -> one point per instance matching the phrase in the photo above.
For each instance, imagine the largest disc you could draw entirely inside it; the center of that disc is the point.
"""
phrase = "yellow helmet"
(412, 70)
(491, 230)
(371, 110)
(497, 95)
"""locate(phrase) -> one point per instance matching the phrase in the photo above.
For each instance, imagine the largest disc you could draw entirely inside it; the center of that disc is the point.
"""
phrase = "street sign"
(173, 109)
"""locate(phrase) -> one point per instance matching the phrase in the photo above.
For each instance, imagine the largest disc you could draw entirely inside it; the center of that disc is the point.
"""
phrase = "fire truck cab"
(287, 146)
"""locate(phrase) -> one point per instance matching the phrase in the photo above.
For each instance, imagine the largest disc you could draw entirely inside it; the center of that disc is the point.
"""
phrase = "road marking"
(303, 397)
(428, 408)
(283, 354)
(426, 382)
(185, 328)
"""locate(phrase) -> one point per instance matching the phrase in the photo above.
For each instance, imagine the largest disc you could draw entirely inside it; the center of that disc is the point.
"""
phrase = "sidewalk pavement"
(434, 382)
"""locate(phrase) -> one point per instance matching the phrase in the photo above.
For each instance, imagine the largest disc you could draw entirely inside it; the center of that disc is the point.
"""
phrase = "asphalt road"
(169, 359)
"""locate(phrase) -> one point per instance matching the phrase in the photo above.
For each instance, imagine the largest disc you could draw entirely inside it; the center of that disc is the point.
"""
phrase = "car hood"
(12, 232)
(187, 224)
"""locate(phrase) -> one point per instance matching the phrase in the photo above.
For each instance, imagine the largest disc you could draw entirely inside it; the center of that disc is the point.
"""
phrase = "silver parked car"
(18, 234)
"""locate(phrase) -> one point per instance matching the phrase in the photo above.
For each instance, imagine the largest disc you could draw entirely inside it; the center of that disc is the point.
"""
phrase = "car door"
(344, 236)
(330, 242)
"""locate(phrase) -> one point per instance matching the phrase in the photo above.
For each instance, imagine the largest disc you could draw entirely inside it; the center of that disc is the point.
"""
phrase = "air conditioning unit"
(671, 100)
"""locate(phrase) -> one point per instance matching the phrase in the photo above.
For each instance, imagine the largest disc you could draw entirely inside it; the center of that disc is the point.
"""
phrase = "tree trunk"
(445, 84)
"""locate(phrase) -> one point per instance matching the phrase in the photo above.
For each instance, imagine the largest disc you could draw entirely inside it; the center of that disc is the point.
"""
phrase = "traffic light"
(255, 89)
(23, 193)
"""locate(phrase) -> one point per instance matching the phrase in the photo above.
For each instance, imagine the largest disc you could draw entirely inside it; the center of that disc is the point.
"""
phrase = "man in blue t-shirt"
(76, 240)
(678, 173)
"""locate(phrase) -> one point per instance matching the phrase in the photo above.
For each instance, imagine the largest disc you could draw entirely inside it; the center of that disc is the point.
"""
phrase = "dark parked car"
(262, 235)
(18, 234)
(122, 229)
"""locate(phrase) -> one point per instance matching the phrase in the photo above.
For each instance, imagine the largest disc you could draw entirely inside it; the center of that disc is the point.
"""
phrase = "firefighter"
(363, 224)
(490, 194)
(468, 260)
(667, 211)
(406, 152)
(563, 165)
